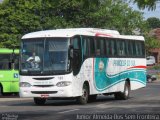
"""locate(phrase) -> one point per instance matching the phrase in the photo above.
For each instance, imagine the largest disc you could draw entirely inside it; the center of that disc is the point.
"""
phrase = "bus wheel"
(84, 98)
(39, 101)
(125, 94)
(92, 98)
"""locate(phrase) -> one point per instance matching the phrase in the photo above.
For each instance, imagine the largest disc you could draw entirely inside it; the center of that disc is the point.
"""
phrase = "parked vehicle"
(150, 60)
(151, 78)
(9, 75)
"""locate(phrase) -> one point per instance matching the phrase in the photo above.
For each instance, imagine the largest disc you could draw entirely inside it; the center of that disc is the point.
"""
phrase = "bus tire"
(85, 94)
(39, 101)
(92, 98)
(125, 94)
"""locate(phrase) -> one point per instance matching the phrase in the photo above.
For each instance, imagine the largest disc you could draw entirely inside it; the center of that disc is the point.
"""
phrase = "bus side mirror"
(71, 54)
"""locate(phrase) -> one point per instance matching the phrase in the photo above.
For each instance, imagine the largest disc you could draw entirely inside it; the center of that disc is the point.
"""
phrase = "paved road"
(143, 101)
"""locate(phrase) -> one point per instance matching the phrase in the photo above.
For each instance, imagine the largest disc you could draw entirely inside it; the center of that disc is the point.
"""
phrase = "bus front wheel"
(85, 94)
(39, 101)
(125, 94)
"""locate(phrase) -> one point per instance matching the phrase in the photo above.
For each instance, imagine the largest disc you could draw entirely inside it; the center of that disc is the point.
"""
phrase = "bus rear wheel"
(85, 94)
(125, 94)
(39, 101)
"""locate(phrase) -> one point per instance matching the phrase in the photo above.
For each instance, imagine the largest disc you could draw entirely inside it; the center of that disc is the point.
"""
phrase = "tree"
(142, 4)
(153, 22)
(151, 43)
(151, 40)
(18, 17)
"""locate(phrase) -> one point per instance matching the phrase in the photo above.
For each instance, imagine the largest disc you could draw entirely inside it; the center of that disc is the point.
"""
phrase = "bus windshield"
(44, 56)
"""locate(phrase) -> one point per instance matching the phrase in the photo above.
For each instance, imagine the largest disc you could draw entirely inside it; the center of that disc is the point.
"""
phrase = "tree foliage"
(18, 17)
(151, 43)
(150, 4)
(151, 40)
(153, 22)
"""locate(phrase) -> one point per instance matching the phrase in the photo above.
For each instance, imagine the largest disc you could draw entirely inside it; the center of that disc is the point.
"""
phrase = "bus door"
(15, 74)
(77, 61)
(77, 55)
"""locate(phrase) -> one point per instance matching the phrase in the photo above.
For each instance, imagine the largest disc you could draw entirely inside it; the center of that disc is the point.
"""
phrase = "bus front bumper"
(47, 92)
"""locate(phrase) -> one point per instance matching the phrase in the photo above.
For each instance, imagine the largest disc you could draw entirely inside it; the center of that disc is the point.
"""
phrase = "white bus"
(81, 63)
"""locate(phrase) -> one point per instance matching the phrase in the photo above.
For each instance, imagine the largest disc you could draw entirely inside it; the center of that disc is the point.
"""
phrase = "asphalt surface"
(143, 104)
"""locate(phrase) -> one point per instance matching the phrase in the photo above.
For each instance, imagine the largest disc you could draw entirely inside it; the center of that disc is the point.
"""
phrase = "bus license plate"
(44, 96)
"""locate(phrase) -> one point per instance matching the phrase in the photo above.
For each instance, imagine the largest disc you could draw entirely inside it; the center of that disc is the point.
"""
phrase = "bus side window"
(121, 47)
(100, 46)
(113, 47)
(91, 46)
(97, 44)
(131, 48)
(134, 48)
(127, 48)
(139, 48)
(76, 43)
(143, 49)
(110, 47)
(107, 46)
(85, 46)
(6, 65)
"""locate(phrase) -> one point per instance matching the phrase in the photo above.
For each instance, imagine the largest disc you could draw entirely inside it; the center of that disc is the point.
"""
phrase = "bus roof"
(6, 50)
(70, 32)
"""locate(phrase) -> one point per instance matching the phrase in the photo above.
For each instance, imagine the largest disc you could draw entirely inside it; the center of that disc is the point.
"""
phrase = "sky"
(147, 14)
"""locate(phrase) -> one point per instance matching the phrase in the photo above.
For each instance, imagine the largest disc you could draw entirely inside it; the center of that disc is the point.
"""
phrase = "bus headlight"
(63, 83)
(24, 84)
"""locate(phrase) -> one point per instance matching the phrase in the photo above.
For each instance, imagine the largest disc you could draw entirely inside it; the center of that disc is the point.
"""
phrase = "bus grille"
(43, 85)
(45, 78)
(43, 92)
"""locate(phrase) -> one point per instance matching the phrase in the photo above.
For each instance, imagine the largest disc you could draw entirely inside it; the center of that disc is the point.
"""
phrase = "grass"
(155, 67)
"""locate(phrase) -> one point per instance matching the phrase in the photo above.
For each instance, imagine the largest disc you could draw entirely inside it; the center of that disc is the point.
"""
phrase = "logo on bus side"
(16, 75)
(124, 63)
(101, 65)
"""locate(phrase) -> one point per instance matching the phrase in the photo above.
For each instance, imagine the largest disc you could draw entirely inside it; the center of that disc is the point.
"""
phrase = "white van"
(151, 60)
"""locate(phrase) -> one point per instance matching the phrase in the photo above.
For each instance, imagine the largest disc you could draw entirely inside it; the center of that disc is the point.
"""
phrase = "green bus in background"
(9, 75)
